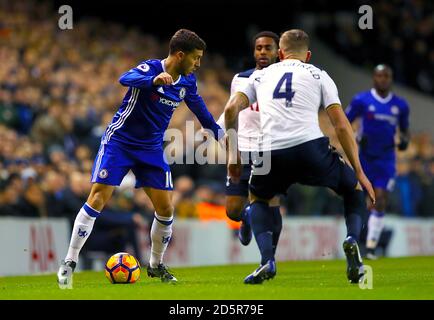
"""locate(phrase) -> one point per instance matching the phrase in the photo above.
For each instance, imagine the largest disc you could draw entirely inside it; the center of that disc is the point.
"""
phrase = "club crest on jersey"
(394, 110)
(371, 108)
(182, 93)
(144, 67)
(103, 174)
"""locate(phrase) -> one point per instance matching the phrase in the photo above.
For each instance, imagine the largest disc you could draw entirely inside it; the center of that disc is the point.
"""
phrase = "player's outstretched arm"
(196, 104)
(345, 135)
(236, 103)
(136, 79)
(144, 77)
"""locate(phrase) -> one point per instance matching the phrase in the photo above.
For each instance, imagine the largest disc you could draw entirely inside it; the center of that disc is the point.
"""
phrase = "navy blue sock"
(262, 227)
(244, 217)
(355, 207)
(277, 226)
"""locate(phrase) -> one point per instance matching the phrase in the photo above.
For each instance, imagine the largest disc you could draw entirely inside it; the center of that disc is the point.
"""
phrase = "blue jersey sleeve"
(196, 104)
(354, 109)
(140, 77)
(404, 116)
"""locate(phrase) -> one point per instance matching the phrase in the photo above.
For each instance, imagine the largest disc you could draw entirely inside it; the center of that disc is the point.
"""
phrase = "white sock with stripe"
(375, 227)
(83, 226)
(161, 232)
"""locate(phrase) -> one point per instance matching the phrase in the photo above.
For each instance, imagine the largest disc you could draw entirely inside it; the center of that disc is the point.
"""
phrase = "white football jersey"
(248, 119)
(289, 94)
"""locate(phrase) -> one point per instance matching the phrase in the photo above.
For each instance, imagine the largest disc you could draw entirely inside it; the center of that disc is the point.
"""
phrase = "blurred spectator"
(425, 208)
(183, 198)
(407, 192)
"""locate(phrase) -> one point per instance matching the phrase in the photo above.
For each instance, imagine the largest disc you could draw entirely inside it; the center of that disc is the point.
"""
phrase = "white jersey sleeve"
(329, 91)
(249, 87)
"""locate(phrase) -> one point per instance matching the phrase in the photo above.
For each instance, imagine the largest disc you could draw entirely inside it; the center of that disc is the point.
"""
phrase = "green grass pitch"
(393, 278)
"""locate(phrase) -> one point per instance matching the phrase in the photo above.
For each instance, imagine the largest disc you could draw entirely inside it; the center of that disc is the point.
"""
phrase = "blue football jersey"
(146, 110)
(380, 118)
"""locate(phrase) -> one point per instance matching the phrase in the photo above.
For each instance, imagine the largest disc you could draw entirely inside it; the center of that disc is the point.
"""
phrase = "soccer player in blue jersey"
(134, 141)
(265, 46)
(381, 112)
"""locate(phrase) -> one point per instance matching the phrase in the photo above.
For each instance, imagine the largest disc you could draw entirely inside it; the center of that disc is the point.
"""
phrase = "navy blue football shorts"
(114, 160)
(314, 163)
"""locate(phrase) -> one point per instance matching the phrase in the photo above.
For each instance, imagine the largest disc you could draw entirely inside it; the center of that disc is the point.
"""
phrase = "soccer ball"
(122, 267)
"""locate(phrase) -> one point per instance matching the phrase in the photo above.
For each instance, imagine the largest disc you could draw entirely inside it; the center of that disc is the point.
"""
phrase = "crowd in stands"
(60, 89)
(402, 35)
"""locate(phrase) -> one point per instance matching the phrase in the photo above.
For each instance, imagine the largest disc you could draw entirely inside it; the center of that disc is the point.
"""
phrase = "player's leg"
(266, 221)
(263, 187)
(111, 165)
(354, 213)
(237, 204)
(262, 227)
(376, 222)
(153, 175)
(324, 166)
(277, 221)
(381, 174)
(83, 225)
(237, 209)
(161, 232)
(355, 210)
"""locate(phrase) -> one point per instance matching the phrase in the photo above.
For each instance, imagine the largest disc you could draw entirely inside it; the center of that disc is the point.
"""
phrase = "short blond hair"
(294, 40)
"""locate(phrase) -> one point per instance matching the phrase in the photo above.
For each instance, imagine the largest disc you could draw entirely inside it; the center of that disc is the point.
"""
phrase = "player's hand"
(366, 184)
(234, 172)
(163, 79)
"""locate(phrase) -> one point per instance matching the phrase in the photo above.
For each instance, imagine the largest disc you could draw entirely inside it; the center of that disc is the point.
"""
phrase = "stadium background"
(59, 90)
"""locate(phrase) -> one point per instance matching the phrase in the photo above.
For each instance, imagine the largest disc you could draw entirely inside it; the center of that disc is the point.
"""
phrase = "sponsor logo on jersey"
(182, 93)
(385, 117)
(103, 174)
(168, 102)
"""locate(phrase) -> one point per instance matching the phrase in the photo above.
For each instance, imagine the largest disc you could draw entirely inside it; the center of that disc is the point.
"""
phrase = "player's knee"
(233, 210)
(165, 210)
(97, 200)
(233, 214)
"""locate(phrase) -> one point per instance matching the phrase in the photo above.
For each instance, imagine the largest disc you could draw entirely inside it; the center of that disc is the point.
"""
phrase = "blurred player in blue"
(134, 141)
(381, 112)
(265, 46)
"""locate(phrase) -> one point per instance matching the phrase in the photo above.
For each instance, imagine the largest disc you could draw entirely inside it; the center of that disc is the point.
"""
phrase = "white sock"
(83, 225)
(375, 226)
(161, 232)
